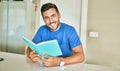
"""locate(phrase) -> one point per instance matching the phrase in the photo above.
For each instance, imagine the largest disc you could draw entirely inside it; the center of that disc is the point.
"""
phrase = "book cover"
(50, 47)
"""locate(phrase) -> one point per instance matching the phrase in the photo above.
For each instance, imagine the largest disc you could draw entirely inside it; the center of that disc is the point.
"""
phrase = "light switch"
(93, 34)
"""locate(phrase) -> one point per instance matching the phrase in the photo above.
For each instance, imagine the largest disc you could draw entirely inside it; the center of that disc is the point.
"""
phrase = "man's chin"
(53, 29)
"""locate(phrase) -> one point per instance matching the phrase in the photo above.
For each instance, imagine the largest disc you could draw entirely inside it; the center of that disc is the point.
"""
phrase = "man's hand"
(50, 61)
(34, 57)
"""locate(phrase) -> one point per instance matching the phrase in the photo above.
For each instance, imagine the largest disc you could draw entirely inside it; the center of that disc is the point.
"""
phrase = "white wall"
(104, 18)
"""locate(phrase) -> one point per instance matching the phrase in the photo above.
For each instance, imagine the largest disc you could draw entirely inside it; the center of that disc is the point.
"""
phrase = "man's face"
(51, 18)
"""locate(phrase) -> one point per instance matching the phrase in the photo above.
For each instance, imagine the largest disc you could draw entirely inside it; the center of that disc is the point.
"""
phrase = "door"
(16, 20)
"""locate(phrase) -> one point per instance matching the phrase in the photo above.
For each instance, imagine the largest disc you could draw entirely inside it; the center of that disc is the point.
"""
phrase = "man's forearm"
(75, 58)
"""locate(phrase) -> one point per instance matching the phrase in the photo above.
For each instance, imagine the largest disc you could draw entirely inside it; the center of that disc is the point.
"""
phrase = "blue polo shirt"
(66, 36)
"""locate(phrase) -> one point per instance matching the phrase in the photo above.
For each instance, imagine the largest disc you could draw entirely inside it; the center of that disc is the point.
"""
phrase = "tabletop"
(18, 62)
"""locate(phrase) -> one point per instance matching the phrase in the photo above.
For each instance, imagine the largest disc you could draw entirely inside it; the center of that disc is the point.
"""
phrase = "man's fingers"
(35, 57)
(32, 52)
(47, 56)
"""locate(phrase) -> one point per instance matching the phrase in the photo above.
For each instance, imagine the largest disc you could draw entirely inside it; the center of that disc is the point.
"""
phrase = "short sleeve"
(37, 37)
(73, 38)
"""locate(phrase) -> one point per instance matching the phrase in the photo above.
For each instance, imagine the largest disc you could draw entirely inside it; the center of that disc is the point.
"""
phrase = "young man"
(66, 36)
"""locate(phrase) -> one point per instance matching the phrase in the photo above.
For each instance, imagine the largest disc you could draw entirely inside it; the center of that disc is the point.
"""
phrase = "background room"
(96, 22)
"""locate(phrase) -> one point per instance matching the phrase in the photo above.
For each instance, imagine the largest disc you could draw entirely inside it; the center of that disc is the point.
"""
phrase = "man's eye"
(46, 18)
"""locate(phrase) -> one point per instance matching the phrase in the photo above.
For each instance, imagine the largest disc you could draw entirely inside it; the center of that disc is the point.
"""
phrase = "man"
(66, 36)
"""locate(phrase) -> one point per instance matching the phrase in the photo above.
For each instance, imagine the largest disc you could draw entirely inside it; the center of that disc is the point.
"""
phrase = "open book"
(50, 47)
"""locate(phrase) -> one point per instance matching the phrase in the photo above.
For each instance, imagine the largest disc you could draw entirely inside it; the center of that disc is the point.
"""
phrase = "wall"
(104, 18)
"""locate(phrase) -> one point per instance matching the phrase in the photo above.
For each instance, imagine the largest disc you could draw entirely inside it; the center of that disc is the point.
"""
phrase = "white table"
(17, 62)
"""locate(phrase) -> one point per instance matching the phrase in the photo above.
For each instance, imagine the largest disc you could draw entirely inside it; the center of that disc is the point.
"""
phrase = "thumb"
(46, 56)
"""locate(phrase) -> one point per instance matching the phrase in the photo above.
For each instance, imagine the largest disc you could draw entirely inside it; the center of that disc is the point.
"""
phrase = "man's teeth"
(53, 24)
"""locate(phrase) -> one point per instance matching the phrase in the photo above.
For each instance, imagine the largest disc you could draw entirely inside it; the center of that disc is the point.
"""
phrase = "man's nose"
(51, 20)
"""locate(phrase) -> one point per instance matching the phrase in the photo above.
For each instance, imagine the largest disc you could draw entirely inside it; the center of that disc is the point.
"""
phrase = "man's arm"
(77, 57)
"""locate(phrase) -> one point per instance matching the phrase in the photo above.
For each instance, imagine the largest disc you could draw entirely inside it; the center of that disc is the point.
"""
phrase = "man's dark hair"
(47, 6)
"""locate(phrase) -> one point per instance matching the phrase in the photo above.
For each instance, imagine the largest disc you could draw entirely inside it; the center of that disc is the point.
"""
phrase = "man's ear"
(59, 15)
